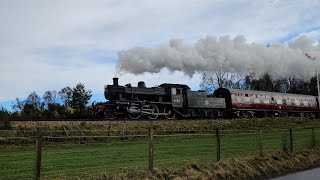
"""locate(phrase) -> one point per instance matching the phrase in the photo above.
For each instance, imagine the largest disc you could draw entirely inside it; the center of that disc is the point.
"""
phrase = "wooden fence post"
(212, 125)
(38, 154)
(201, 128)
(150, 147)
(218, 144)
(109, 128)
(291, 141)
(124, 129)
(260, 143)
(313, 138)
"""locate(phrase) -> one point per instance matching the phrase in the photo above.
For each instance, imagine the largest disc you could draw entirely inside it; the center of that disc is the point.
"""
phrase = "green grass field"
(173, 151)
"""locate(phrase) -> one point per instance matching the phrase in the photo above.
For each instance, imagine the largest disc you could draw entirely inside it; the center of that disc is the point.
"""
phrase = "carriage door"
(176, 97)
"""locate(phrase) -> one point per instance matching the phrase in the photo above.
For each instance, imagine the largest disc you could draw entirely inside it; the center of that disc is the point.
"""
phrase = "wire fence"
(29, 154)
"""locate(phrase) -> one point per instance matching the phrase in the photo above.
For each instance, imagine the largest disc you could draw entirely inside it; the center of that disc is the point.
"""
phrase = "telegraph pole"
(318, 85)
(317, 71)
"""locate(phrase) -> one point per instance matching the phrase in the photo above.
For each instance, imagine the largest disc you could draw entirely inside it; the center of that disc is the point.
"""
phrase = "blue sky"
(47, 45)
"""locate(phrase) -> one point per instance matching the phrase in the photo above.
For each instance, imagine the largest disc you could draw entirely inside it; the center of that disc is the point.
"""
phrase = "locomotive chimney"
(115, 81)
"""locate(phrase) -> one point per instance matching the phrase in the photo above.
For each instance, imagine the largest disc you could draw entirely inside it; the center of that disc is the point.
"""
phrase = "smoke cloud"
(299, 58)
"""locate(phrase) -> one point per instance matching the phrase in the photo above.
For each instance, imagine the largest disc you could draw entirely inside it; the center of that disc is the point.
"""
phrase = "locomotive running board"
(144, 112)
(150, 113)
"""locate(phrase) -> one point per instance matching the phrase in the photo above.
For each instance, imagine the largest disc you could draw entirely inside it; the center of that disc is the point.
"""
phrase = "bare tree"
(34, 100)
(219, 79)
(281, 85)
(18, 105)
(50, 97)
(265, 83)
(65, 95)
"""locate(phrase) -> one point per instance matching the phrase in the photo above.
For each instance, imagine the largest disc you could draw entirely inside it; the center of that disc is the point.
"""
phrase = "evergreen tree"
(80, 97)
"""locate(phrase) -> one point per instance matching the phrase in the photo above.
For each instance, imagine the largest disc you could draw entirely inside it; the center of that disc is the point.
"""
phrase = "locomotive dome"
(141, 84)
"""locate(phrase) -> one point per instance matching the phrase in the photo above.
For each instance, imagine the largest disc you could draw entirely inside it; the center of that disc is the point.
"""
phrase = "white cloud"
(51, 44)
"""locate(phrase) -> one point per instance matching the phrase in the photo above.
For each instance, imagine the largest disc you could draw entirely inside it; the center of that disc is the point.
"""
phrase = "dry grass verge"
(253, 167)
(173, 125)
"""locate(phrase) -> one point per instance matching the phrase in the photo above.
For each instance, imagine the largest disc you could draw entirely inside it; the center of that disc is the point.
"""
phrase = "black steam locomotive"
(172, 100)
(166, 100)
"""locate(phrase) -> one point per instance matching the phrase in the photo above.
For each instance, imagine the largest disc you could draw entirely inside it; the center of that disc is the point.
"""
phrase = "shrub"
(4, 120)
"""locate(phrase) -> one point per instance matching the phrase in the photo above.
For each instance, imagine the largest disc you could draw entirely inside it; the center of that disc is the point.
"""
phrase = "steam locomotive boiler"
(166, 100)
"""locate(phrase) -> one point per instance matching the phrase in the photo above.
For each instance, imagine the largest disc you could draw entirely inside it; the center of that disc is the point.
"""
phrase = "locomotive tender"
(171, 100)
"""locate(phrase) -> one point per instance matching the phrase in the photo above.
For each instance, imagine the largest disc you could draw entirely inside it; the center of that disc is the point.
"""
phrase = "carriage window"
(246, 98)
(314, 102)
(279, 101)
(173, 91)
(288, 101)
(178, 91)
(266, 99)
(233, 97)
(257, 99)
(238, 98)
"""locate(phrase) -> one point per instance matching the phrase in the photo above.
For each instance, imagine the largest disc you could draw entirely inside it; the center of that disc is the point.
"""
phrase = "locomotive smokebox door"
(176, 97)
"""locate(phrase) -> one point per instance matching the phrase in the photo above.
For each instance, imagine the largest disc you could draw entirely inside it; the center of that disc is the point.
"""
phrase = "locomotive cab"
(176, 94)
(176, 97)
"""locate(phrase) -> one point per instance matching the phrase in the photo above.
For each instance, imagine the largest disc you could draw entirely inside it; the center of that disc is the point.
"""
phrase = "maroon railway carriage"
(250, 103)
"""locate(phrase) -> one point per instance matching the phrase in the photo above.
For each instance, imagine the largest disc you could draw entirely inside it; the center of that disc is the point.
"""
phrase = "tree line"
(69, 102)
(220, 79)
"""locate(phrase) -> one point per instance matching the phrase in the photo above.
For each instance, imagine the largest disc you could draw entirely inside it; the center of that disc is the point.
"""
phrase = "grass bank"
(27, 128)
(251, 167)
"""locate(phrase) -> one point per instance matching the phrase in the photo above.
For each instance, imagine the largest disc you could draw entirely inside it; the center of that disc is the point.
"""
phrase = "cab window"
(173, 91)
(178, 91)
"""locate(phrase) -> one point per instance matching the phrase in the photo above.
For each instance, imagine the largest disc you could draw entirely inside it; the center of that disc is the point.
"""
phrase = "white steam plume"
(299, 58)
